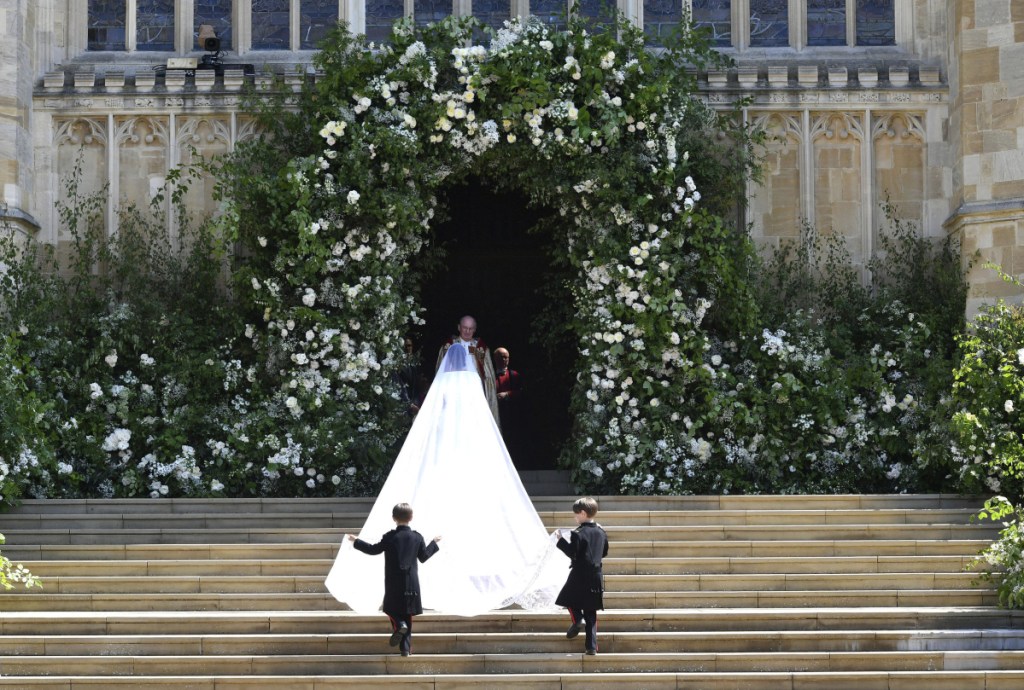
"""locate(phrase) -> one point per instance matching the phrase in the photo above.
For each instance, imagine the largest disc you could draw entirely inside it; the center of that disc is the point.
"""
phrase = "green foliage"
(988, 394)
(844, 389)
(1004, 559)
(25, 457)
(124, 341)
(988, 434)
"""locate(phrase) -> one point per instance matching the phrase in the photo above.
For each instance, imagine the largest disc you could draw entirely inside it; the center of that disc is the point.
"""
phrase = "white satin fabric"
(456, 473)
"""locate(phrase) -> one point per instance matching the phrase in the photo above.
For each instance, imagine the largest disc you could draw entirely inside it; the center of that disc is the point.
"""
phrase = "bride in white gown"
(456, 473)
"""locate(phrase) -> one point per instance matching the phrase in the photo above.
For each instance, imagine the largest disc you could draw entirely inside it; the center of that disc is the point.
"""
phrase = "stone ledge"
(750, 77)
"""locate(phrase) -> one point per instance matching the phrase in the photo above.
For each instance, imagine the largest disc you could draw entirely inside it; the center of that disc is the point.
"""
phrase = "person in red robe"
(509, 386)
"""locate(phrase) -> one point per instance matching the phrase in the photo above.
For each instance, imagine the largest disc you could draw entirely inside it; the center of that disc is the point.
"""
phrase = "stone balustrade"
(787, 85)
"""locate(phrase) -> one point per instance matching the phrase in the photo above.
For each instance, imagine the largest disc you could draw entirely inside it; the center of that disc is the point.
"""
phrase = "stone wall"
(987, 141)
(842, 144)
(124, 131)
(17, 24)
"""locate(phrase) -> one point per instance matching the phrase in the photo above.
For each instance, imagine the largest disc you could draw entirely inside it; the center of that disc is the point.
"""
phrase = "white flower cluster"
(117, 441)
(26, 460)
(333, 131)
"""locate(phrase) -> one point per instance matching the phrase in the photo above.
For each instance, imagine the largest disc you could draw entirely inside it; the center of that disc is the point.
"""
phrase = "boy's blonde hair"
(402, 512)
(585, 505)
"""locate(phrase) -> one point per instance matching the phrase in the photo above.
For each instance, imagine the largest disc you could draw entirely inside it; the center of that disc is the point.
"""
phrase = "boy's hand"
(350, 537)
(437, 538)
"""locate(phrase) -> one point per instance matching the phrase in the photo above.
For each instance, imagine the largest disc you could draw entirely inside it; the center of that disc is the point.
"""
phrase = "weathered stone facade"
(934, 122)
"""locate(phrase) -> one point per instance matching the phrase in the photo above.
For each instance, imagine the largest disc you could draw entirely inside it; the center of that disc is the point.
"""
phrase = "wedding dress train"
(456, 473)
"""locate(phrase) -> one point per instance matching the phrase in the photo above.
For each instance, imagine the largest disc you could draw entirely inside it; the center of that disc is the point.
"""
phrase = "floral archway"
(586, 121)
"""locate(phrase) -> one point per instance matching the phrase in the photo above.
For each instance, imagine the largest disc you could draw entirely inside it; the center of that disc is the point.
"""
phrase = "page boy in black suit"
(402, 547)
(584, 588)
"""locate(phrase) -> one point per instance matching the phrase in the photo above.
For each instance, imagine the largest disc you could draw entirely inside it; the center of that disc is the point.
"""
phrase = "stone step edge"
(25, 516)
(763, 641)
(698, 499)
(614, 577)
(978, 594)
(813, 533)
(1013, 618)
(795, 680)
(115, 664)
(514, 613)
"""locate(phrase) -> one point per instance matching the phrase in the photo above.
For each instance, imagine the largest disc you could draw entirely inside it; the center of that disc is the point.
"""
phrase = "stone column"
(986, 76)
(17, 28)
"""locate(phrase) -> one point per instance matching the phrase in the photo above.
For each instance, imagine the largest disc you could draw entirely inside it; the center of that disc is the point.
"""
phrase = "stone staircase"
(753, 592)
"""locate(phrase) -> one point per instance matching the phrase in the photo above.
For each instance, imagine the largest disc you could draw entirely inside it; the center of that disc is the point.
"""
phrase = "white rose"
(353, 197)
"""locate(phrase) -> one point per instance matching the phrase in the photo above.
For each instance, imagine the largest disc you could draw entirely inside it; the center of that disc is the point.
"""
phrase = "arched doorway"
(495, 270)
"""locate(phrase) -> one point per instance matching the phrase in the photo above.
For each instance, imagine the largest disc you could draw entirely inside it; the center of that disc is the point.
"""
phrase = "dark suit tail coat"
(402, 547)
(584, 587)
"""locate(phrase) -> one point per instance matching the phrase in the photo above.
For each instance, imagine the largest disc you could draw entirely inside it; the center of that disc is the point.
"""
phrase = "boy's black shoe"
(399, 633)
(573, 630)
(591, 652)
(405, 652)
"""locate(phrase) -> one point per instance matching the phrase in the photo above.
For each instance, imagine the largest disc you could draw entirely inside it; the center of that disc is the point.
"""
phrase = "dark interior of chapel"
(496, 270)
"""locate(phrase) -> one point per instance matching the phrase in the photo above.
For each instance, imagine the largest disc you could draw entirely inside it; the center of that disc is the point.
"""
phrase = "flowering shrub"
(835, 387)
(988, 395)
(25, 457)
(1005, 557)
(12, 574)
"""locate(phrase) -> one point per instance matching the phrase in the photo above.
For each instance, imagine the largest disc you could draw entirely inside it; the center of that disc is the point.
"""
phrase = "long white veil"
(456, 473)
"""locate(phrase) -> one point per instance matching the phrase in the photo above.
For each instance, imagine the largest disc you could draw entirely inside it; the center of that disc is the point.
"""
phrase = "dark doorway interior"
(494, 270)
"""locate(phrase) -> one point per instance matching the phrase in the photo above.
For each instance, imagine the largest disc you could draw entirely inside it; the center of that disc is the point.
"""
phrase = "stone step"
(355, 519)
(703, 592)
(544, 503)
(694, 620)
(305, 601)
(271, 583)
(803, 548)
(612, 566)
(653, 533)
(507, 643)
(824, 548)
(583, 680)
(344, 663)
